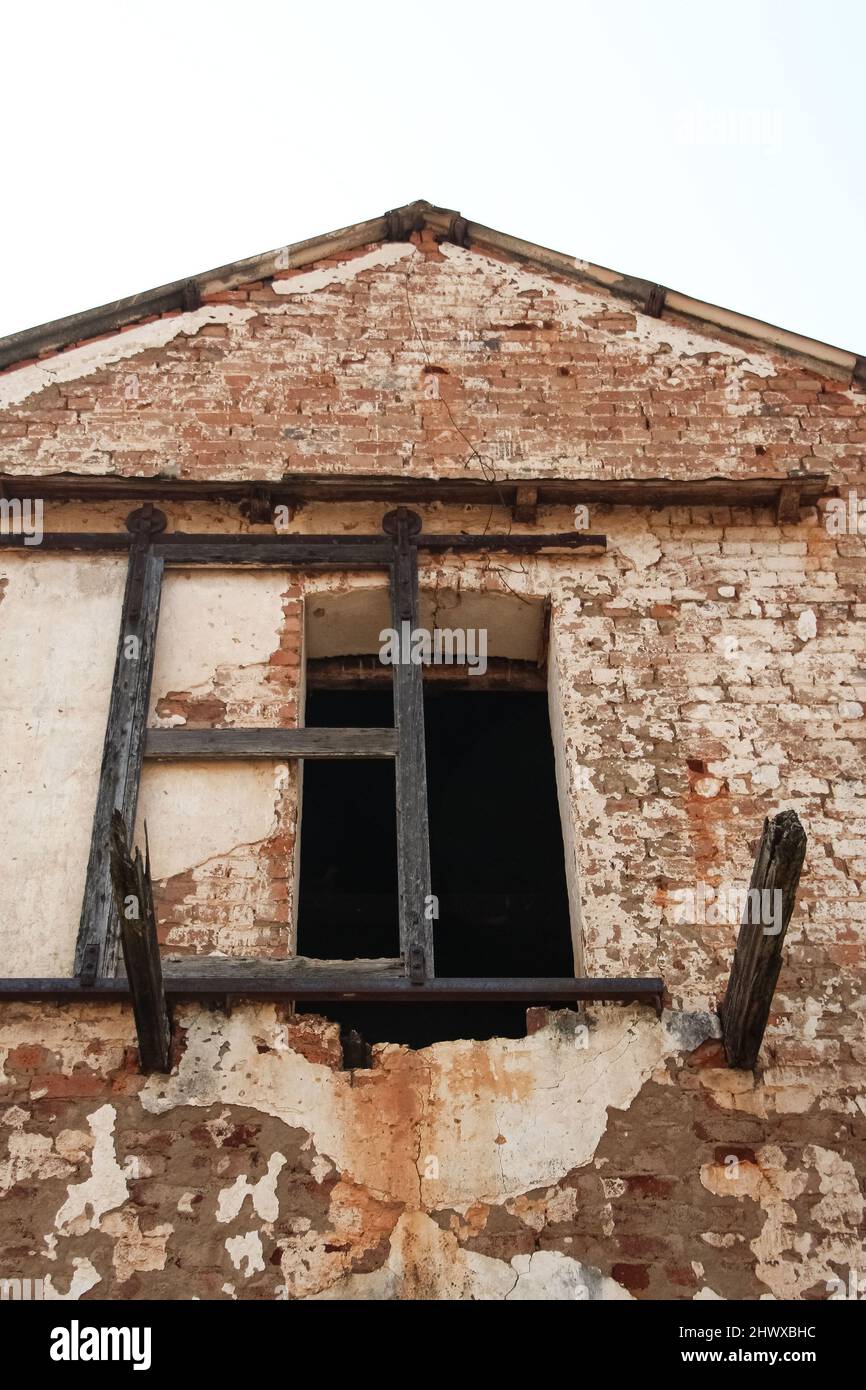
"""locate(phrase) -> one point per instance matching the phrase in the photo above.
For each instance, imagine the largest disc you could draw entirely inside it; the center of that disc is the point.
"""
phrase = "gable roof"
(398, 225)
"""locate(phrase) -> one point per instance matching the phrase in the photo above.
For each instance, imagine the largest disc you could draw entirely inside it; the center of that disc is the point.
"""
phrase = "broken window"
(497, 864)
(495, 894)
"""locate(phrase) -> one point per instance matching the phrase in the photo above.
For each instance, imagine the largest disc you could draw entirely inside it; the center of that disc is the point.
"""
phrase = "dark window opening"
(347, 902)
(497, 859)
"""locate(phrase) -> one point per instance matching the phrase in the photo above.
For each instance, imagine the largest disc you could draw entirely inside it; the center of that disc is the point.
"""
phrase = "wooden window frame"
(128, 743)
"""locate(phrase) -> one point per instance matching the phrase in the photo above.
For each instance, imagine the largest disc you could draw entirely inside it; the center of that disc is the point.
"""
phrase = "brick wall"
(711, 671)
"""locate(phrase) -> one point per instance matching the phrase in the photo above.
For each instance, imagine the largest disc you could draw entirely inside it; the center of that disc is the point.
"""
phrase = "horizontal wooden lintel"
(305, 552)
(294, 491)
(181, 745)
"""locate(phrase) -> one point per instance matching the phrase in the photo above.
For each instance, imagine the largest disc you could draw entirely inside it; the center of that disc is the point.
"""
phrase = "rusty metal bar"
(335, 986)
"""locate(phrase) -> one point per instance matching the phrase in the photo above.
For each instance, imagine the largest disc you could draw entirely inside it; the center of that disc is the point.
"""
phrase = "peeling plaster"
(247, 1249)
(203, 811)
(262, 1193)
(379, 1126)
(58, 637)
(522, 1132)
(134, 1249)
(84, 361)
(216, 619)
(782, 1247)
(426, 1262)
(388, 254)
(83, 1280)
(581, 305)
(106, 1187)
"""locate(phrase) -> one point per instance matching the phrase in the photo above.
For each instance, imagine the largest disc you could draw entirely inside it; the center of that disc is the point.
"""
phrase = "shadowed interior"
(498, 872)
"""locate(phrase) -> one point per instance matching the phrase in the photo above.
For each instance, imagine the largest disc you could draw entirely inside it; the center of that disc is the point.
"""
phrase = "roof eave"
(398, 224)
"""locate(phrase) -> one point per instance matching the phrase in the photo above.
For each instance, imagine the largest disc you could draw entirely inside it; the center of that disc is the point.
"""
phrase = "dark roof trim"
(643, 295)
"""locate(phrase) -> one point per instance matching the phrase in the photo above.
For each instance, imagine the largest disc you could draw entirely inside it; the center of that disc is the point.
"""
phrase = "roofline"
(398, 225)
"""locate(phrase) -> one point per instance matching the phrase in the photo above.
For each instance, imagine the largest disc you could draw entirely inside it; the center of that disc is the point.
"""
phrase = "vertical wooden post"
(413, 837)
(758, 957)
(133, 900)
(97, 948)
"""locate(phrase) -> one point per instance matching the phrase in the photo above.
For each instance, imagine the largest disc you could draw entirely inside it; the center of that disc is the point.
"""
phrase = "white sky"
(714, 148)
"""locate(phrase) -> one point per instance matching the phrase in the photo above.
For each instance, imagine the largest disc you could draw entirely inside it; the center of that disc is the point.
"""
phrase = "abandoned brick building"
(438, 1007)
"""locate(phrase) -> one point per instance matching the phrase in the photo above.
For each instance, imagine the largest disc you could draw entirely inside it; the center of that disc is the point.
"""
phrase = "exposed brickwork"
(711, 671)
(240, 903)
(527, 371)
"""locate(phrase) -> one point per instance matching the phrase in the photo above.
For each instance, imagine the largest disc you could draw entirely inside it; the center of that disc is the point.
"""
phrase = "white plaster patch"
(246, 1248)
(263, 1193)
(58, 636)
(15, 387)
(31, 1156)
(389, 253)
(547, 1274)
(106, 1187)
(216, 619)
(807, 625)
(197, 812)
(83, 1280)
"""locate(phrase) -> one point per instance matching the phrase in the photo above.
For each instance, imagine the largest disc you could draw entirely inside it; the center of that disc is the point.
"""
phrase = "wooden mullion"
(413, 839)
(97, 948)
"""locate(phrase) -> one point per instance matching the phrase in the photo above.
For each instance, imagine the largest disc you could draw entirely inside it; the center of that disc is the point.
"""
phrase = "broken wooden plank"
(97, 947)
(180, 745)
(758, 956)
(133, 900)
(232, 971)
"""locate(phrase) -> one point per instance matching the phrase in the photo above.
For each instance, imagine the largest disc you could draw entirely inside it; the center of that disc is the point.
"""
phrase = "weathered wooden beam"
(180, 745)
(88, 541)
(413, 836)
(758, 956)
(233, 970)
(308, 552)
(530, 544)
(357, 486)
(503, 673)
(133, 900)
(97, 947)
